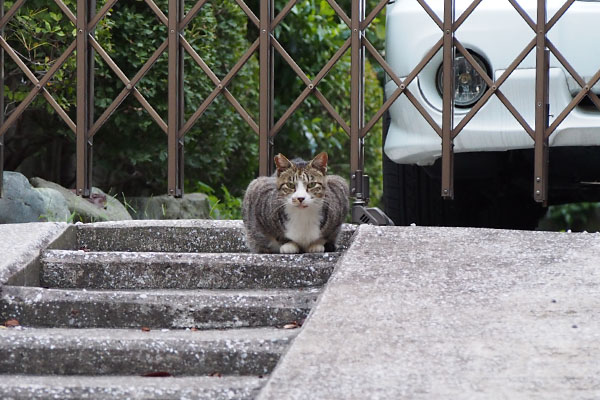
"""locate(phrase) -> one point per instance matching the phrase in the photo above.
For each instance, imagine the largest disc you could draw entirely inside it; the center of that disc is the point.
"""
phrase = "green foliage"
(220, 147)
(311, 34)
(227, 206)
(221, 150)
(130, 149)
(39, 33)
(573, 216)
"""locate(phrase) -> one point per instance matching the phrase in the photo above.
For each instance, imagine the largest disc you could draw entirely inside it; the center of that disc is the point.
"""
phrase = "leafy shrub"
(130, 149)
(226, 207)
(572, 217)
(130, 153)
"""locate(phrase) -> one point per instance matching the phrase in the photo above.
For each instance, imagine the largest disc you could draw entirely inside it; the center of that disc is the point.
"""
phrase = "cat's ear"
(281, 163)
(320, 162)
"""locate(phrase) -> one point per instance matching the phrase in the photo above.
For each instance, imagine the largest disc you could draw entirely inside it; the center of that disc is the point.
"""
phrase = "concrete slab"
(208, 236)
(155, 308)
(20, 246)
(135, 270)
(452, 313)
(135, 352)
(27, 387)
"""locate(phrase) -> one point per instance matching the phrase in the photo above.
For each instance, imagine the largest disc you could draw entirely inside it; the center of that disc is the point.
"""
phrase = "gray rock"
(190, 206)
(20, 203)
(56, 207)
(100, 207)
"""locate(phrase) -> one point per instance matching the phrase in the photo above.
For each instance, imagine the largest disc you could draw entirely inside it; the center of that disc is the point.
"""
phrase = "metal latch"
(361, 214)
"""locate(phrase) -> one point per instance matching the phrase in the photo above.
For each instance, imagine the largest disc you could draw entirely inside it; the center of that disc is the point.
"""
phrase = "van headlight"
(469, 86)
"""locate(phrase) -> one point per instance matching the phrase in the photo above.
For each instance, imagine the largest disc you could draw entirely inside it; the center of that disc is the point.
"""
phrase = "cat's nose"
(300, 199)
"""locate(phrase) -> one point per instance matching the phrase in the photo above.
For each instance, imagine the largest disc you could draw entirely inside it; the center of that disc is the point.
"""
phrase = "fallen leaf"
(158, 374)
(194, 329)
(216, 374)
(293, 325)
(97, 199)
(145, 329)
(11, 323)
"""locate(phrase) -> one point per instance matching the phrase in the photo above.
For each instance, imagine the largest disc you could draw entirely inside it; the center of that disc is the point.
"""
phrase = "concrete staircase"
(155, 310)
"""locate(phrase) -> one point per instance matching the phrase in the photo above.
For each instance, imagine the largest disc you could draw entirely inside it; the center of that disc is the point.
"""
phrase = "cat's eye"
(312, 185)
(290, 185)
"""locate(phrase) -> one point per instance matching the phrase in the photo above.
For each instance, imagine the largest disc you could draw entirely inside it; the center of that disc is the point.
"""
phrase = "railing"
(266, 128)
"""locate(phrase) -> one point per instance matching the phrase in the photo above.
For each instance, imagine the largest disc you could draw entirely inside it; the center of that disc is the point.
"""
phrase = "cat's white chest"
(303, 225)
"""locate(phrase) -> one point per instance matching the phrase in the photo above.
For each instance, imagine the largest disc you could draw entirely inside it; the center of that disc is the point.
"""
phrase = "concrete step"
(26, 387)
(203, 309)
(187, 236)
(195, 236)
(127, 270)
(136, 352)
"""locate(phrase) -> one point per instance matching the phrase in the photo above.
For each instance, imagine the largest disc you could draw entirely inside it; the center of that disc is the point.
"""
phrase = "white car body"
(498, 33)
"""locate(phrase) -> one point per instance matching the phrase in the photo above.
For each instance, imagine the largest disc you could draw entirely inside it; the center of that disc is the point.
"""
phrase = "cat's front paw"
(316, 248)
(289, 248)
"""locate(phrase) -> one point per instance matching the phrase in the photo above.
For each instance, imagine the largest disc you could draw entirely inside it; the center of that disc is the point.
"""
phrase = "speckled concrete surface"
(135, 270)
(150, 235)
(135, 352)
(159, 295)
(26, 387)
(452, 313)
(171, 236)
(20, 245)
(410, 312)
(202, 309)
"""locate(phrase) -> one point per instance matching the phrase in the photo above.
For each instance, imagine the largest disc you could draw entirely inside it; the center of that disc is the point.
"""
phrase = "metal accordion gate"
(175, 45)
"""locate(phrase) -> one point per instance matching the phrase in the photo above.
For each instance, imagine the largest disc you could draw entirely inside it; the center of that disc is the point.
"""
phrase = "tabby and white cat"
(300, 209)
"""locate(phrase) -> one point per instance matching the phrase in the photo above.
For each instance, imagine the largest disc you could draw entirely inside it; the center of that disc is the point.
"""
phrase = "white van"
(493, 153)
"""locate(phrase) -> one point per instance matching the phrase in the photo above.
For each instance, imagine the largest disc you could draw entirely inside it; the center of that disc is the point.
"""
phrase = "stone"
(100, 206)
(190, 206)
(56, 207)
(20, 203)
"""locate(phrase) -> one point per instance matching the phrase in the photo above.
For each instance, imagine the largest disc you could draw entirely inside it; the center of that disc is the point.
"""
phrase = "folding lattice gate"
(267, 128)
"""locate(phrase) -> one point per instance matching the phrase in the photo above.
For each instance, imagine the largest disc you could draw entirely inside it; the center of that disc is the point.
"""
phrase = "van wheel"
(412, 195)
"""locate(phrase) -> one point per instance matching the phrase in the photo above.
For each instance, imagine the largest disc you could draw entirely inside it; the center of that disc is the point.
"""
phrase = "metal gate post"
(542, 108)
(180, 102)
(359, 182)
(175, 99)
(85, 96)
(266, 91)
(357, 191)
(1, 103)
(448, 102)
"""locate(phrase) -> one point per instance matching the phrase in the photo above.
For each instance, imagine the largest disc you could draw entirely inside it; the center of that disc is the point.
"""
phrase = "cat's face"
(302, 184)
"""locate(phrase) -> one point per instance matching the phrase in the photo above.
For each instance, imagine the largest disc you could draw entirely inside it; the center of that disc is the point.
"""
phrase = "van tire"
(412, 195)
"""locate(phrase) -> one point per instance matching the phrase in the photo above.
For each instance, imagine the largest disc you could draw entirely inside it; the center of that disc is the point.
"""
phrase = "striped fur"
(299, 209)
